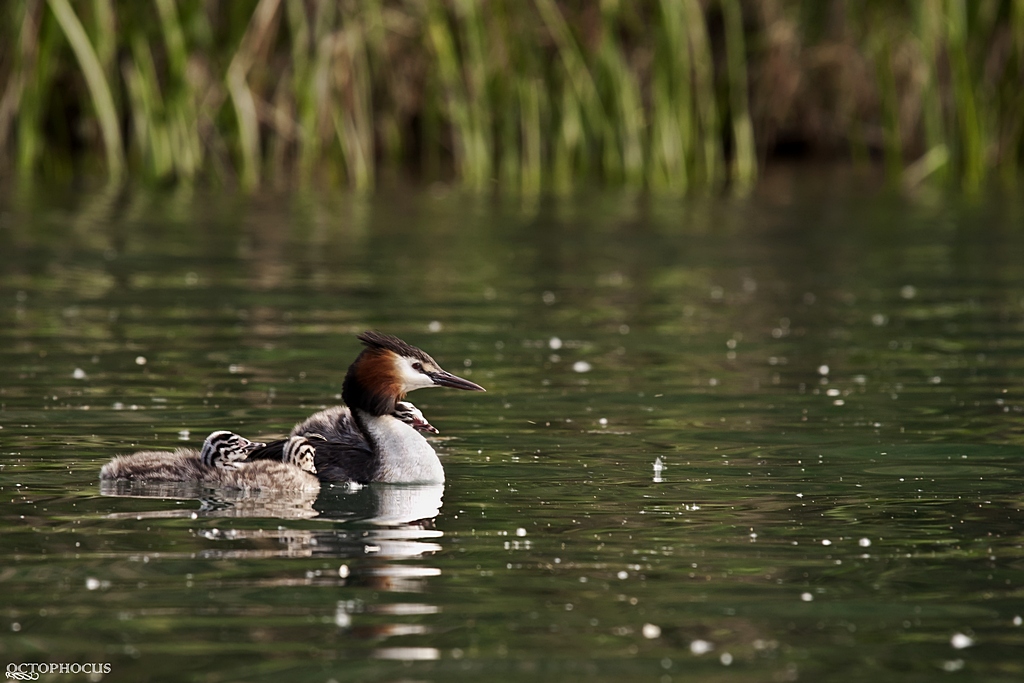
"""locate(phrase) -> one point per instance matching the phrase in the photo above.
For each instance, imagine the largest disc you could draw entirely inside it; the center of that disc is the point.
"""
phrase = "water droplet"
(79, 373)
(961, 641)
(140, 360)
(651, 631)
(700, 647)
(806, 597)
(581, 366)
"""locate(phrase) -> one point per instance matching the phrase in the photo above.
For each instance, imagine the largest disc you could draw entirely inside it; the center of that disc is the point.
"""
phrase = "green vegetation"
(521, 94)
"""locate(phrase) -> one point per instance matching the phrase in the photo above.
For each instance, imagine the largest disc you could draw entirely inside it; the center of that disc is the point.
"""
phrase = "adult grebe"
(363, 441)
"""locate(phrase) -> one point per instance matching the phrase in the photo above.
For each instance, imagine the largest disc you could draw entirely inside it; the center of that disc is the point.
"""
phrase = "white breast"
(405, 456)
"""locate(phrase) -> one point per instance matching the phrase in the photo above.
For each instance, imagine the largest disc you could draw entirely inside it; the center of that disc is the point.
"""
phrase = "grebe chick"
(221, 450)
(412, 416)
(294, 472)
(364, 441)
(221, 464)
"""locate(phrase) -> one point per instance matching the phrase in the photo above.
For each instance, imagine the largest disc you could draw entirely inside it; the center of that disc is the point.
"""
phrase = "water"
(735, 440)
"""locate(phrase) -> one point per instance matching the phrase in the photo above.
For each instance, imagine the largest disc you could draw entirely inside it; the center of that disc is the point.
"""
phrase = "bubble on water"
(434, 326)
(651, 631)
(952, 665)
(140, 360)
(79, 373)
(879, 319)
(520, 532)
(554, 343)
(342, 619)
(603, 422)
(623, 575)
(825, 541)
(961, 641)
(700, 647)
(822, 369)
(908, 291)
(581, 366)
(343, 571)
(1017, 620)
(806, 597)
(548, 298)
(183, 434)
(725, 659)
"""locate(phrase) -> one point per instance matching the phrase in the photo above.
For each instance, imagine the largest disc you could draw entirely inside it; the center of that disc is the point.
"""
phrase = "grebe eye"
(418, 367)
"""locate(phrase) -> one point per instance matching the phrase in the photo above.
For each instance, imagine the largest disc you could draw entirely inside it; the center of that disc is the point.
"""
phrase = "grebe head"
(411, 415)
(300, 452)
(388, 369)
(225, 449)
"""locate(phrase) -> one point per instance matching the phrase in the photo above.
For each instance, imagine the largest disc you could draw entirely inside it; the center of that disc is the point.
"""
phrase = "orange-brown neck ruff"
(372, 382)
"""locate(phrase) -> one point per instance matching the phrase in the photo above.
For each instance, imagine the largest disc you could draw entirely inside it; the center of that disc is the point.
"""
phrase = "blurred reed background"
(524, 95)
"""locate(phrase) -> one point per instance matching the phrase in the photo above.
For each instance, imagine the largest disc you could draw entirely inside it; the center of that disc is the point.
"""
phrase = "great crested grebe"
(222, 461)
(364, 441)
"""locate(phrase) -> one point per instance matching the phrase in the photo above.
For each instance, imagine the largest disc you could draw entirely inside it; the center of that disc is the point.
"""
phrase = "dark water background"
(831, 378)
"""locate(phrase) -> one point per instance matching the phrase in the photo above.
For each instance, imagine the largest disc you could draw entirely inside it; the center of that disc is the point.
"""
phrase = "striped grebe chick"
(221, 464)
(413, 416)
(363, 441)
(221, 450)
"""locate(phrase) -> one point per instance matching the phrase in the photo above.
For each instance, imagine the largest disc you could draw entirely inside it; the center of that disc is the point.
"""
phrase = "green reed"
(525, 95)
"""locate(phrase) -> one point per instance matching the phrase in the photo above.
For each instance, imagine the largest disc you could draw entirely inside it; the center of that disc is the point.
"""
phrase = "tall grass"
(527, 95)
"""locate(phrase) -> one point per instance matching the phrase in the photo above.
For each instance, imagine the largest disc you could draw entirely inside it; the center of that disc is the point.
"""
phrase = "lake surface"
(767, 439)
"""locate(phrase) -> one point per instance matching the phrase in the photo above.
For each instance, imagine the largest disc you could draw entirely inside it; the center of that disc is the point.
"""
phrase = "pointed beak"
(447, 379)
(424, 426)
(254, 445)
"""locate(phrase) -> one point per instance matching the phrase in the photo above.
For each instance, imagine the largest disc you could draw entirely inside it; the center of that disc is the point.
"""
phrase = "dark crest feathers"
(379, 340)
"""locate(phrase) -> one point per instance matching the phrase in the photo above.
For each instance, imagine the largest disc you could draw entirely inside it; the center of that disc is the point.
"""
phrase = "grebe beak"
(447, 379)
